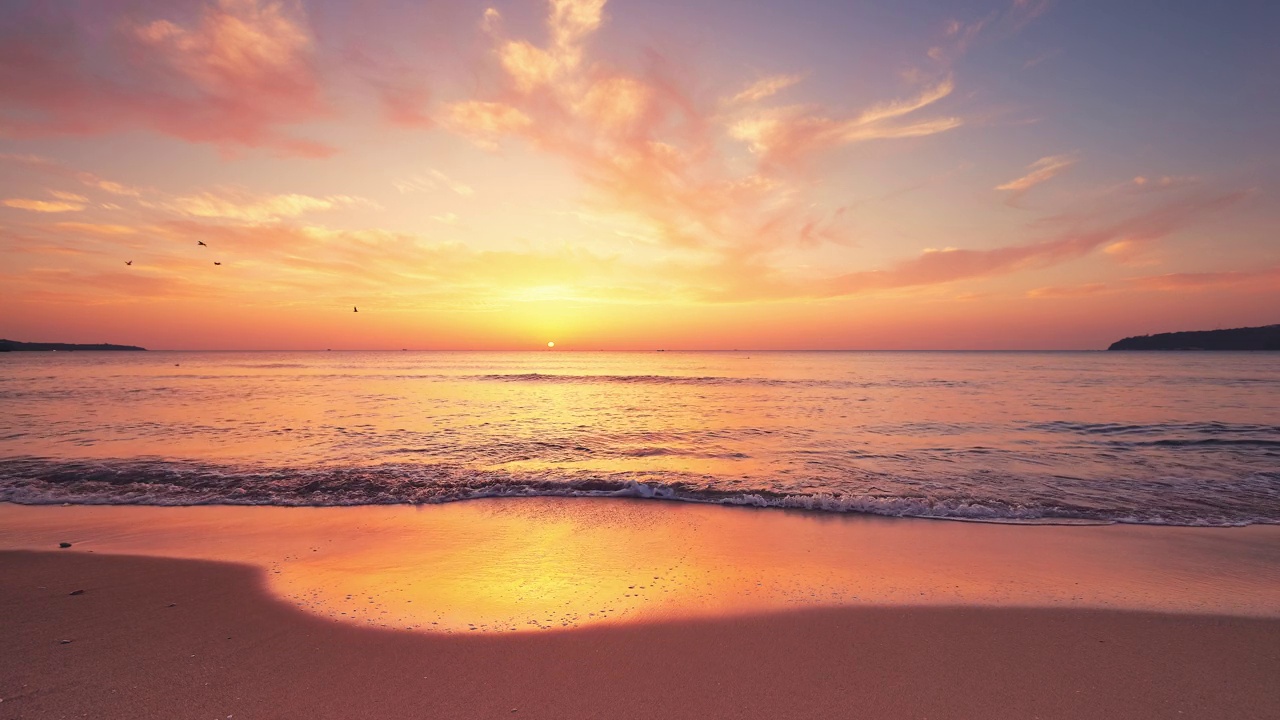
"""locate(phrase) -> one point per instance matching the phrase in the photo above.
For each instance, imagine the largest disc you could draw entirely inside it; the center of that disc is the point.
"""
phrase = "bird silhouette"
(217, 263)
(128, 262)
(355, 309)
(201, 242)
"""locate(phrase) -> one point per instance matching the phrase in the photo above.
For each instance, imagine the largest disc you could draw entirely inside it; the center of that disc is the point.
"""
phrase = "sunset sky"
(700, 174)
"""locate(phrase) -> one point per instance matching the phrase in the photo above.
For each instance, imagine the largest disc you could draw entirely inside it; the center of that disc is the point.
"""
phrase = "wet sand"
(527, 564)
(166, 638)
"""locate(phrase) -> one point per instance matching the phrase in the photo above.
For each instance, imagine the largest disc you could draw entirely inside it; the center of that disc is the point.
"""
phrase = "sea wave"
(1210, 429)
(157, 481)
(193, 372)
(707, 380)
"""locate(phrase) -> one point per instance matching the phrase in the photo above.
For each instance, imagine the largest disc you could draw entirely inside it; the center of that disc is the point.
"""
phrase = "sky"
(633, 175)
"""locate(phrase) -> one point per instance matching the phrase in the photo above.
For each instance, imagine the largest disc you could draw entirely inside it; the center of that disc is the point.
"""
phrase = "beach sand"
(163, 638)
(302, 612)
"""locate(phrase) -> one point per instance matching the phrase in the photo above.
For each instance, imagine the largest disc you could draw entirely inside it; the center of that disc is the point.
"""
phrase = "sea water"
(1159, 438)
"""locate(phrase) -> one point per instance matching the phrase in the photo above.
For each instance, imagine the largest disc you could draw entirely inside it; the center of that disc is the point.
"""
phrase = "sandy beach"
(1052, 622)
(170, 638)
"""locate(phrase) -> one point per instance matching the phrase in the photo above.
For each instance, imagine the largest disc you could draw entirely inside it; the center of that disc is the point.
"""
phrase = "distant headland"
(15, 346)
(1266, 337)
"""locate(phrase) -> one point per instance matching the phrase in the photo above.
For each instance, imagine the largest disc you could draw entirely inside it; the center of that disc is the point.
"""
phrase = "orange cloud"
(69, 196)
(483, 122)
(1040, 171)
(96, 228)
(433, 180)
(42, 206)
(245, 207)
(936, 267)
(1060, 291)
(646, 147)
(233, 78)
(95, 288)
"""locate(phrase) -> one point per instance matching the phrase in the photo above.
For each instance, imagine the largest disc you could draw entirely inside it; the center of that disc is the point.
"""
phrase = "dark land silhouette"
(1266, 337)
(14, 345)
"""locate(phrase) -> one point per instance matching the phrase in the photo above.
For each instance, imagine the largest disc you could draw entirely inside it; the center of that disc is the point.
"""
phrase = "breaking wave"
(42, 481)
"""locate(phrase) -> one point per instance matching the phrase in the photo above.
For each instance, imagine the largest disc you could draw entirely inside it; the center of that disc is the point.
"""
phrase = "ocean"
(1019, 437)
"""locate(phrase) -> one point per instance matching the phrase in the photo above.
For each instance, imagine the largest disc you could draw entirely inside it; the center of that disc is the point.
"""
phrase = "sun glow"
(599, 184)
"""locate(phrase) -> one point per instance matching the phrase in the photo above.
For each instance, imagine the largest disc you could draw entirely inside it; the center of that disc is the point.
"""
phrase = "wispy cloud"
(1042, 57)
(1142, 183)
(234, 77)
(114, 188)
(243, 206)
(431, 181)
(69, 196)
(647, 147)
(1040, 171)
(786, 136)
(99, 229)
(947, 265)
(42, 206)
(959, 35)
(1173, 282)
(766, 87)
(401, 90)
(1068, 291)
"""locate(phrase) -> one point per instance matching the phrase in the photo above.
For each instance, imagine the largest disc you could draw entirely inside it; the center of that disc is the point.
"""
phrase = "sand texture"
(165, 638)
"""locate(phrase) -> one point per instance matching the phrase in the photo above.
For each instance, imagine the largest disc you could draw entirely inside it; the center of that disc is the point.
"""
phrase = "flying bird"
(355, 309)
(201, 242)
(217, 263)
(128, 262)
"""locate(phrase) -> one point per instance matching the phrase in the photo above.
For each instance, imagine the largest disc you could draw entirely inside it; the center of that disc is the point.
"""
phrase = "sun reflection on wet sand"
(544, 563)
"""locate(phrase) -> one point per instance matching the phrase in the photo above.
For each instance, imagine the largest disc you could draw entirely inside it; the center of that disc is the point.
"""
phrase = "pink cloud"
(936, 267)
(952, 264)
(648, 146)
(233, 77)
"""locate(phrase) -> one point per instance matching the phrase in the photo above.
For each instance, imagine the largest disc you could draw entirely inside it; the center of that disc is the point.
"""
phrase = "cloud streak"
(939, 267)
(42, 206)
(646, 145)
(1038, 172)
(233, 78)
(766, 87)
(1175, 282)
(245, 207)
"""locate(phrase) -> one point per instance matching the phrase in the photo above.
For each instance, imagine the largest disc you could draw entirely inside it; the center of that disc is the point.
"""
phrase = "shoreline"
(790, 503)
(154, 637)
(529, 564)
(618, 495)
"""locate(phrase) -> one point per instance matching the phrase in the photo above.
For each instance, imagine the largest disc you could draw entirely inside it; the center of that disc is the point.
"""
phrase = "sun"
(551, 344)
